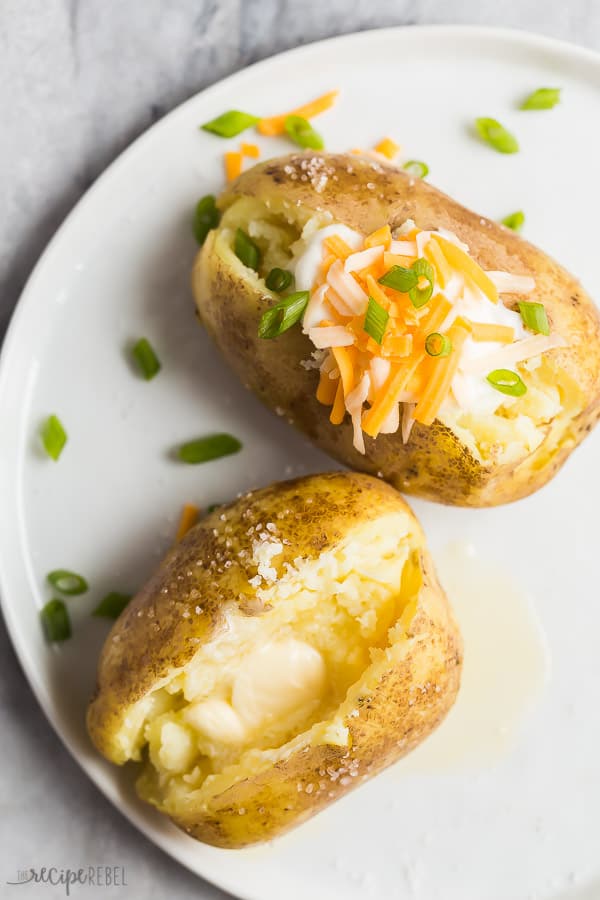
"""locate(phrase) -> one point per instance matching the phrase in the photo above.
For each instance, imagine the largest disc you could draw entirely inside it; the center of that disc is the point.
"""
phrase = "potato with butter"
(466, 452)
(292, 645)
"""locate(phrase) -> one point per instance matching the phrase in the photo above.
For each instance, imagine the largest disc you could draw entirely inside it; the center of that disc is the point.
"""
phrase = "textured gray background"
(79, 79)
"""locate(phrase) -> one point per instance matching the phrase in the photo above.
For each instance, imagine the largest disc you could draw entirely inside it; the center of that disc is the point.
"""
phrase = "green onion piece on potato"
(376, 320)
(514, 221)
(282, 315)
(507, 382)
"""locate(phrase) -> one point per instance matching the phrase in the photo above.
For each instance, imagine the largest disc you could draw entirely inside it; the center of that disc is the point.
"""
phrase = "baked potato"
(291, 645)
(436, 348)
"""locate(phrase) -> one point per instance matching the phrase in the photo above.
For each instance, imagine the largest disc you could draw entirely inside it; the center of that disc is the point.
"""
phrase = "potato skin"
(160, 631)
(365, 195)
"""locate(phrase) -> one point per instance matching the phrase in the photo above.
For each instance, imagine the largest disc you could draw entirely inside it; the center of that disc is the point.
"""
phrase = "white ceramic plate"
(524, 827)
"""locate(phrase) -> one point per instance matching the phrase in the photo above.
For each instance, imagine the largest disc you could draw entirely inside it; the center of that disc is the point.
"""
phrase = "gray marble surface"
(79, 79)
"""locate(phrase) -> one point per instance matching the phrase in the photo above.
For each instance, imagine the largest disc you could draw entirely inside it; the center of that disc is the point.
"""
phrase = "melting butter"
(506, 666)
(278, 679)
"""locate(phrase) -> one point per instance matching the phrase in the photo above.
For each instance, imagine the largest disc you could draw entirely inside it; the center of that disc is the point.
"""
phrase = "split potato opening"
(265, 681)
(516, 430)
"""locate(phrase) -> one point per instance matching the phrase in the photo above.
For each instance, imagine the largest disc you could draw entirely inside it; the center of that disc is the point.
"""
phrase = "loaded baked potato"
(290, 646)
(419, 342)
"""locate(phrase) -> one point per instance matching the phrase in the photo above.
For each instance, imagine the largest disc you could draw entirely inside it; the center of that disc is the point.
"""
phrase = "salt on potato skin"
(409, 685)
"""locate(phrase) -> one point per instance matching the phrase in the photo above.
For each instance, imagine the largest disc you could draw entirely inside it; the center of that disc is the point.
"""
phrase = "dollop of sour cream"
(308, 265)
(473, 393)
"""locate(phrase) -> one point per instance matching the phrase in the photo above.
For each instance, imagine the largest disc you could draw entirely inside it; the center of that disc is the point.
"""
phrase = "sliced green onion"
(437, 344)
(534, 316)
(376, 320)
(496, 135)
(212, 447)
(278, 280)
(147, 360)
(543, 98)
(282, 315)
(230, 123)
(111, 606)
(407, 281)
(212, 507)
(54, 437)
(507, 382)
(56, 621)
(206, 217)
(514, 221)
(417, 168)
(302, 133)
(420, 296)
(246, 250)
(69, 583)
(400, 279)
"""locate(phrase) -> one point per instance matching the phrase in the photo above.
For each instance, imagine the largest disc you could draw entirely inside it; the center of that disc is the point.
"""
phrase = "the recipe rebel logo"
(90, 876)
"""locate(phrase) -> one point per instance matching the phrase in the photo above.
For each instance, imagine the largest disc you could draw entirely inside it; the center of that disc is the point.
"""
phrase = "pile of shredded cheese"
(390, 385)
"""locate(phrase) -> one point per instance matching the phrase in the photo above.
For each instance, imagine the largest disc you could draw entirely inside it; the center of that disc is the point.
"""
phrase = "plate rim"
(138, 817)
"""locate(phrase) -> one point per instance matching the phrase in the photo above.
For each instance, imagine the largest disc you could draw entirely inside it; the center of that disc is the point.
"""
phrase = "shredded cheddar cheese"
(442, 371)
(250, 150)
(189, 517)
(233, 164)
(275, 125)
(388, 148)
(391, 378)
(383, 237)
(337, 247)
(458, 259)
(481, 331)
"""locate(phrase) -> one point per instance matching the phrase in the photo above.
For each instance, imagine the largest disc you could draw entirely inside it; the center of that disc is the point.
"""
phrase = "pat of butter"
(277, 679)
(217, 720)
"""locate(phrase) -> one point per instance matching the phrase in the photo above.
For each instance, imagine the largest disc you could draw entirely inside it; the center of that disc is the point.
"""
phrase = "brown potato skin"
(365, 195)
(153, 636)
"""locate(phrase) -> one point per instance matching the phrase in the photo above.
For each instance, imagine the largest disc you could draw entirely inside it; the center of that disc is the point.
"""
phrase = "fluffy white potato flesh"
(265, 682)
